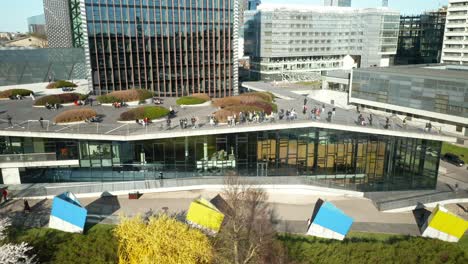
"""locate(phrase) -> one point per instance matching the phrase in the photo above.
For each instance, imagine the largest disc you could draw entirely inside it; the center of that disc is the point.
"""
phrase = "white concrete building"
(455, 48)
(299, 42)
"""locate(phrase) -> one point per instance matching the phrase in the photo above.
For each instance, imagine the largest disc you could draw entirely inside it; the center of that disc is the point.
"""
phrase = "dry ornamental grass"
(75, 115)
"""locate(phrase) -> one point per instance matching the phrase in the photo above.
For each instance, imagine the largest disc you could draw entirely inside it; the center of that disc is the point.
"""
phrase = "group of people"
(289, 115)
(144, 122)
(118, 104)
(52, 106)
(157, 101)
(213, 120)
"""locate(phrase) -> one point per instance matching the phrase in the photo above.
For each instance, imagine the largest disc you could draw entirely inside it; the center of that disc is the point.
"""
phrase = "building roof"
(436, 71)
(320, 9)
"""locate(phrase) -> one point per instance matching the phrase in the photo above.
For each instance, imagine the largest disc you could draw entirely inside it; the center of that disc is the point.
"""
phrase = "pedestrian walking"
(4, 194)
(370, 119)
(41, 121)
(323, 108)
(404, 122)
(161, 176)
(9, 118)
(90, 101)
(305, 100)
(333, 111)
(27, 208)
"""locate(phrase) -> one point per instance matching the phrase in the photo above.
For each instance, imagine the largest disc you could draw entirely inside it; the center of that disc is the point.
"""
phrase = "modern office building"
(172, 48)
(384, 3)
(421, 37)
(36, 24)
(369, 160)
(289, 43)
(337, 3)
(431, 92)
(456, 33)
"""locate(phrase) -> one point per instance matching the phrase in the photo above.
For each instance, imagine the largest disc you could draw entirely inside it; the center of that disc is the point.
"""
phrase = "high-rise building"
(337, 3)
(455, 49)
(421, 37)
(36, 24)
(172, 49)
(297, 42)
(384, 3)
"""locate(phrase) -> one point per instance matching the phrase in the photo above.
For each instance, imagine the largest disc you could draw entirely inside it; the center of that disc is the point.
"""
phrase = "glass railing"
(28, 157)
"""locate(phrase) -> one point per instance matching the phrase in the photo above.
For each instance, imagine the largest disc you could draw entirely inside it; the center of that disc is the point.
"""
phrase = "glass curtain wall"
(348, 160)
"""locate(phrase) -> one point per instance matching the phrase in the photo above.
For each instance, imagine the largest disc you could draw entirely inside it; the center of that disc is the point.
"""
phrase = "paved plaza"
(291, 210)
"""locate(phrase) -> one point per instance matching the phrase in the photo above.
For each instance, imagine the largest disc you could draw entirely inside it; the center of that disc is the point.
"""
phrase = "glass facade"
(172, 47)
(421, 89)
(36, 65)
(420, 38)
(292, 44)
(354, 161)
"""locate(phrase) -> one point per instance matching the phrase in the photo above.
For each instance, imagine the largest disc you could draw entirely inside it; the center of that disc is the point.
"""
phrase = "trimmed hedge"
(14, 92)
(190, 100)
(60, 84)
(75, 115)
(151, 112)
(126, 96)
(60, 98)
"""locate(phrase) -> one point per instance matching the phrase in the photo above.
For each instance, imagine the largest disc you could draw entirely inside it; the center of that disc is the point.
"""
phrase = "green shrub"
(360, 248)
(126, 96)
(98, 245)
(60, 84)
(14, 92)
(151, 112)
(189, 100)
(60, 98)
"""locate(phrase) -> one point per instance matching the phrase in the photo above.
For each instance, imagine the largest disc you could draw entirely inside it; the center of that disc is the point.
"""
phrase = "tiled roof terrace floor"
(25, 117)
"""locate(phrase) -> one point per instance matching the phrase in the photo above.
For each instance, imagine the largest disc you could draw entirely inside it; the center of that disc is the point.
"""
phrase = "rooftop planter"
(132, 95)
(60, 99)
(150, 112)
(14, 92)
(60, 84)
(249, 102)
(192, 100)
(75, 115)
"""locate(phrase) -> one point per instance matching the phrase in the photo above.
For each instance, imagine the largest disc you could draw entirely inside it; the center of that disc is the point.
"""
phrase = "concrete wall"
(11, 176)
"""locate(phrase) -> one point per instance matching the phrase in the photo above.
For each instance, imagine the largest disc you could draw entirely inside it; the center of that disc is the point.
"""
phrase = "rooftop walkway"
(25, 119)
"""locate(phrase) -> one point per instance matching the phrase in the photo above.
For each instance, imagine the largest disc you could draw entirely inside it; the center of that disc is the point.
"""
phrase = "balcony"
(28, 157)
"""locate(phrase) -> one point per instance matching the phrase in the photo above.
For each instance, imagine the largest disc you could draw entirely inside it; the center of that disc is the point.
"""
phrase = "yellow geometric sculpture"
(444, 225)
(204, 214)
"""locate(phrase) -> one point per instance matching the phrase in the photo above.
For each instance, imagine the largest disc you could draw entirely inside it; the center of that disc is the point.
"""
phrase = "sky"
(13, 13)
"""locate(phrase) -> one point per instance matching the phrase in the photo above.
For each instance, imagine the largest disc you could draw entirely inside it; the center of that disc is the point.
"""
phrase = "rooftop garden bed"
(191, 100)
(249, 102)
(150, 112)
(131, 95)
(75, 115)
(14, 92)
(60, 84)
(60, 98)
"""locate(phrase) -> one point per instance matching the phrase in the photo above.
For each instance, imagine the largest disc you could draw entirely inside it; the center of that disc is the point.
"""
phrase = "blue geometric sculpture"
(329, 222)
(67, 213)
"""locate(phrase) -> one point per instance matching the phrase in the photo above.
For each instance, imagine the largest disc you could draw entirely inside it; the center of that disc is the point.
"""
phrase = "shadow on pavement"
(103, 207)
(421, 214)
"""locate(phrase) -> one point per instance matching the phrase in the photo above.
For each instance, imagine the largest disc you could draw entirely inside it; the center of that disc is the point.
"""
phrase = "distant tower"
(337, 3)
(385, 3)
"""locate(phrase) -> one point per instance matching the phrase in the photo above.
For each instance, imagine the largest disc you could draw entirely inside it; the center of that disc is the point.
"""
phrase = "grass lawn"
(373, 248)
(459, 151)
(97, 245)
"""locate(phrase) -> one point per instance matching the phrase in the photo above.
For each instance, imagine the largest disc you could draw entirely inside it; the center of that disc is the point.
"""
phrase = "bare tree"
(248, 235)
(13, 253)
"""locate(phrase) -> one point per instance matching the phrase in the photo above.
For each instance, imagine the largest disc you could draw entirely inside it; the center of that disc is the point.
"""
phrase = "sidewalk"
(292, 210)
